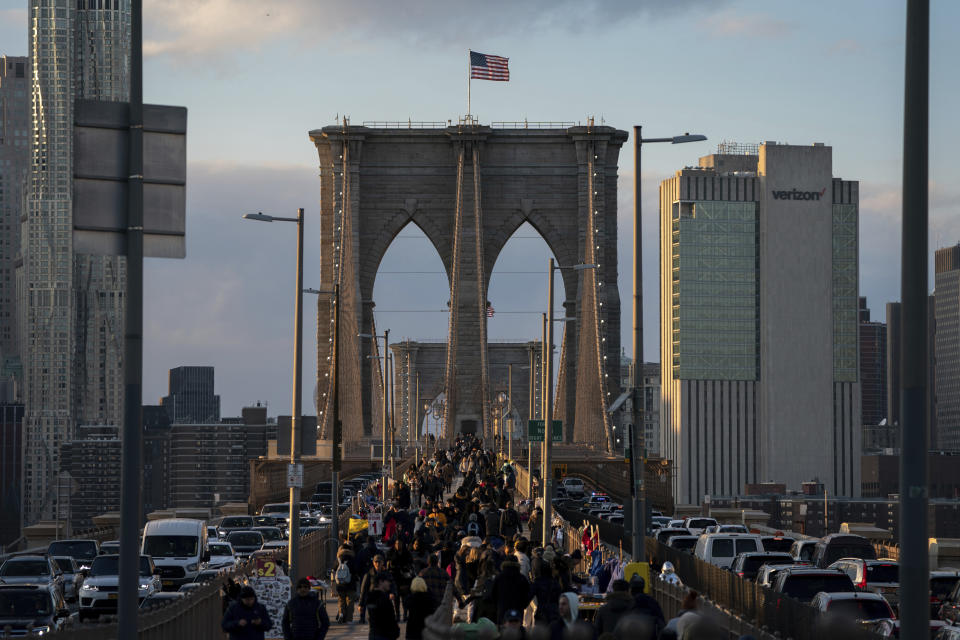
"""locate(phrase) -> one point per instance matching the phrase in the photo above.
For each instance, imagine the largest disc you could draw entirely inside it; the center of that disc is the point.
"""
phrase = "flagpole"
(468, 82)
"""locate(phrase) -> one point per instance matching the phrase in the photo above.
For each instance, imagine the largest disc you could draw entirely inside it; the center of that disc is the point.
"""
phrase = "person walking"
(305, 617)
(383, 619)
(618, 603)
(370, 579)
(345, 580)
(418, 606)
(246, 619)
(511, 590)
(509, 521)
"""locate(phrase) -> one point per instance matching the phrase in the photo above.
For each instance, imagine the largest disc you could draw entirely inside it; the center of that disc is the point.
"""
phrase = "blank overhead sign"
(101, 148)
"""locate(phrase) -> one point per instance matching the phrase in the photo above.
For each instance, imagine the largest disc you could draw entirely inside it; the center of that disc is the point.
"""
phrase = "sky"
(257, 75)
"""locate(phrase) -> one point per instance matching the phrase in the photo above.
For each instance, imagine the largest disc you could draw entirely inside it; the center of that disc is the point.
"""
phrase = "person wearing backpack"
(509, 521)
(345, 580)
(473, 527)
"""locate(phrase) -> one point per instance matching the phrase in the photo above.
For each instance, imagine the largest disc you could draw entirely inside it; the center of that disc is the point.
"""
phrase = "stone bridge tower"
(468, 188)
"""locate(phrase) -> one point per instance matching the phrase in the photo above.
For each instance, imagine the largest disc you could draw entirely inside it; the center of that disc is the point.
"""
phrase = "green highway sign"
(535, 431)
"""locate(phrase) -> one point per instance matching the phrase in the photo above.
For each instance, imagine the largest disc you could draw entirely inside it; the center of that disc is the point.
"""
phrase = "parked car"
(109, 547)
(98, 594)
(842, 545)
(721, 548)
(857, 606)
(83, 551)
(32, 569)
(877, 576)
(697, 524)
(942, 582)
(803, 550)
(803, 583)
(31, 609)
(747, 565)
(72, 576)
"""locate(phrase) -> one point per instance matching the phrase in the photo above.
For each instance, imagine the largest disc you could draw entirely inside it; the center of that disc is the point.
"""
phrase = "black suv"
(842, 545)
(747, 564)
(36, 609)
(802, 583)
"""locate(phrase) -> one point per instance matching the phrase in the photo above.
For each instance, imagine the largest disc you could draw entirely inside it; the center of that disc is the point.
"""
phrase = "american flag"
(489, 310)
(486, 67)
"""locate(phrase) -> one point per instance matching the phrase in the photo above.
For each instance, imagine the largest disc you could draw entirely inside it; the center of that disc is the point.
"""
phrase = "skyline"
(254, 154)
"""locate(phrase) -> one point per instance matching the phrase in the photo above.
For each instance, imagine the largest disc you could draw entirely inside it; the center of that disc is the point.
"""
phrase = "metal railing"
(401, 124)
(529, 124)
(197, 616)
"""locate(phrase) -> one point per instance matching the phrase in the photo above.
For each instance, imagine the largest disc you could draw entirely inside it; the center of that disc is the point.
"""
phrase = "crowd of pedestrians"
(451, 524)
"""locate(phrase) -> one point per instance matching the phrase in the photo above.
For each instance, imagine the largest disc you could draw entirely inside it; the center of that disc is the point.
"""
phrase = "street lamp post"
(548, 405)
(637, 445)
(293, 546)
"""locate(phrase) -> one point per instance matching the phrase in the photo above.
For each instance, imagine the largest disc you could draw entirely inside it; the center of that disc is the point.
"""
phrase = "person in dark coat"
(305, 617)
(366, 554)
(618, 603)
(511, 589)
(377, 572)
(400, 564)
(646, 605)
(383, 619)
(246, 619)
(509, 521)
(546, 590)
(419, 605)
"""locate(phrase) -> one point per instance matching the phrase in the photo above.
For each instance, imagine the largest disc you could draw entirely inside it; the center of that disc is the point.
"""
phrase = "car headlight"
(89, 587)
(144, 587)
(39, 631)
(192, 567)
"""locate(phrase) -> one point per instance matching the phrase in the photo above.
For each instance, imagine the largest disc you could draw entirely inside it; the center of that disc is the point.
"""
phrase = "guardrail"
(197, 616)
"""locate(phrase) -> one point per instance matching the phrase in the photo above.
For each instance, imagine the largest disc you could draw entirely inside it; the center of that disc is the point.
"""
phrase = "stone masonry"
(468, 188)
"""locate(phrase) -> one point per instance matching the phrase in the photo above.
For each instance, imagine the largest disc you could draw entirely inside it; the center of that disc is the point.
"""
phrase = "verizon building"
(758, 317)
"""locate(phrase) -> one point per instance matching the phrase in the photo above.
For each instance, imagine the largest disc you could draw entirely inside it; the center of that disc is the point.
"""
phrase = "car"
(310, 521)
(697, 524)
(245, 542)
(98, 594)
(31, 609)
(768, 573)
(803, 583)
(675, 524)
(617, 519)
(950, 607)
(803, 550)
(573, 486)
(109, 547)
(663, 535)
(857, 606)
(778, 543)
(209, 575)
(83, 551)
(278, 544)
(161, 599)
(595, 500)
(948, 632)
(212, 532)
(942, 582)
(841, 545)
(877, 576)
(32, 569)
(683, 543)
(72, 576)
(663, 521)
(187, 587)
(720, 549)
(234, 523)
(610, 513)
(747, 565)
(727, 528)
(270, 533)
(221, 555)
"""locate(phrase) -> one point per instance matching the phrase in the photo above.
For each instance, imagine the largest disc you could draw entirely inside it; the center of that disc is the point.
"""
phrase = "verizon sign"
(796, 194)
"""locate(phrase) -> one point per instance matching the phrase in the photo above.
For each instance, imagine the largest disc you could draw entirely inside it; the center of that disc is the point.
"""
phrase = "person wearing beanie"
(305, 617)
(418, 606)
(246, 619)
(511, 589)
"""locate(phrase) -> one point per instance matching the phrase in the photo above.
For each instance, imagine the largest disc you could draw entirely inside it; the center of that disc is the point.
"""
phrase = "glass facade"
(845, 300)
(715, 290)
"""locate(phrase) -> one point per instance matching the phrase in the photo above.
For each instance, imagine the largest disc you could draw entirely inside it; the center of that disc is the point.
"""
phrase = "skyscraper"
(191, 399)
(14, 160)
(70, 306)
(758, 321)
(947, 346)
(877, 428)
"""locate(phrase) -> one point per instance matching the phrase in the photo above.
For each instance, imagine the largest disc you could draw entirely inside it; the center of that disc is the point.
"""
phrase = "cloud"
(223, 27)
(728, 24)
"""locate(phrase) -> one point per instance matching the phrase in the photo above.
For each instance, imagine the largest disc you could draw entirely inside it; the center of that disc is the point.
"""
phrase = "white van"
(721, 549)
(178, 546)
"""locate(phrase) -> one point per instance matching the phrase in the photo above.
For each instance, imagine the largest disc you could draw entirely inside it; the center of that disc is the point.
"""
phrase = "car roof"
(831, 537)
(29, 556)
(853, 595)
(775, 554)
